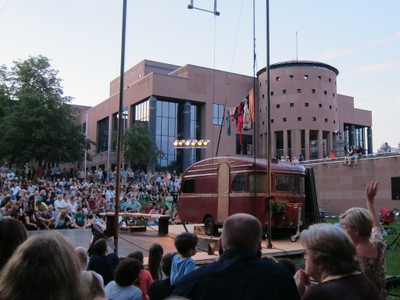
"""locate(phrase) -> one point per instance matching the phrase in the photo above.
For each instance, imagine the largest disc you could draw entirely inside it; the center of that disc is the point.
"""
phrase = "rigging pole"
(120, 120)
(268, 86)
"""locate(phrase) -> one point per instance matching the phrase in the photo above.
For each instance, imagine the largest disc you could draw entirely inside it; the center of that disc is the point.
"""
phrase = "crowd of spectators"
(52, 198)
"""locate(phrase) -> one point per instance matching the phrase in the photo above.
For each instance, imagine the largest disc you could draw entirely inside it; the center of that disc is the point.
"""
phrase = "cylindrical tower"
(304, 109)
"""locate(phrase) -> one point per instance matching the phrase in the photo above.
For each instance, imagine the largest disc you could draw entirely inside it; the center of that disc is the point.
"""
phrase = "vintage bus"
(214, 188)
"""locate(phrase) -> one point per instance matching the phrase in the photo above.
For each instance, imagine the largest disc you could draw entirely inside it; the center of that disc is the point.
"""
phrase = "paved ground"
(142, 240)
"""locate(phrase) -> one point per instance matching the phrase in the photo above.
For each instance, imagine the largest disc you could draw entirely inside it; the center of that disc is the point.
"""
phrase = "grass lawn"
(393, 259)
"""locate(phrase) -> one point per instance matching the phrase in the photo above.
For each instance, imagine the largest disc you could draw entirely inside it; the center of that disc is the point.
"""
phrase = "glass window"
(239, 183)
(102, 138)
(260, 183)
(188, 186)
(285, 183)
(218, 114)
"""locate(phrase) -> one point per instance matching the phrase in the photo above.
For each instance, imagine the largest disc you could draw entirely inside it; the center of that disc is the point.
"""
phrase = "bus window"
(188, 186)
(260, 184)
(239, 183)
(285, 183)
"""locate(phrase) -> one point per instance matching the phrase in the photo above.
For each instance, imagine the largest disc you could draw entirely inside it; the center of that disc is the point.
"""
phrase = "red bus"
(214, 188)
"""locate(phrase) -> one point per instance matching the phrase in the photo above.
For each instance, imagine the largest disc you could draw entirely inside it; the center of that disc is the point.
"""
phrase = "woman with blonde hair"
(43, 267)
(363, 226)
(331, 262)
(92, 287)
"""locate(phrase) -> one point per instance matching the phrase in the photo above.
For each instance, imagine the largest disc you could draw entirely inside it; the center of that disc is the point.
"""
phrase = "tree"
(36, 120)
(140, 148)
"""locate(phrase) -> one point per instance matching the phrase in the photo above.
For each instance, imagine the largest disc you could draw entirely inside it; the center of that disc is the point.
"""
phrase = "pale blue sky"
(82, 38)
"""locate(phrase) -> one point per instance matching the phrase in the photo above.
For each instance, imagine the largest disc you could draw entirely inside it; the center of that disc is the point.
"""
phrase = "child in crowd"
(182, 263)
(144, 279)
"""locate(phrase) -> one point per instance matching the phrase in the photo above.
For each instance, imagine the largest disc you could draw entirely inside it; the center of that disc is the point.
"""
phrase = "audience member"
(239, 273)
(43, 267)
(144, 279)
(161, 289)
(301, 157)
(80, 218)
(387, 148)
(101, 262)
(12, 234)
(331, 261)
(63, 220)
(29, 220)
(352, 155)
(81, 252)
(364, 228)
(183, 263)
(122, 288)
(44, 219)
(156, 252)
(92, 287)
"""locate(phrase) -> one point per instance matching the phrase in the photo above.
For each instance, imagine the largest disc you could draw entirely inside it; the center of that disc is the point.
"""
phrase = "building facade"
(192, 102)
(308, 116)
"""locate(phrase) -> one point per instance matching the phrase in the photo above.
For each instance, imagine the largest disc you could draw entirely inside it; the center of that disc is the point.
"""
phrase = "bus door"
(223, 192)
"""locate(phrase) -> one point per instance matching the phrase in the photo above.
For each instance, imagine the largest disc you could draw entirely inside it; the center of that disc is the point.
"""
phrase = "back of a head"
(44, 267)
(138, 255)
(358, 217)
(156, 252)
(81, 252)
(166, 263)
(127, 271)
(100, 247)
(330, 248)
(185, 241)
(12, 234)
(241, 231)
(92, 287)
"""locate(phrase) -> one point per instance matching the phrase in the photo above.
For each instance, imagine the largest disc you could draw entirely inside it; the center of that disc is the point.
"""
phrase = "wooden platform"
(142, 240)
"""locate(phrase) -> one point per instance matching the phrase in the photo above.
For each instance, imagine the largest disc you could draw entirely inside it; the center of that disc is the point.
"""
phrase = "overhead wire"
(4, 6)
(228, 83)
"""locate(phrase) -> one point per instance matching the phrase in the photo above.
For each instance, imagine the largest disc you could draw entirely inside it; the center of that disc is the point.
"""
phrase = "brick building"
(308, 116)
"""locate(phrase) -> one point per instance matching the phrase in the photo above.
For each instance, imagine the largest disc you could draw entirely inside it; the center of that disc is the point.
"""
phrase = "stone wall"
(340, 187)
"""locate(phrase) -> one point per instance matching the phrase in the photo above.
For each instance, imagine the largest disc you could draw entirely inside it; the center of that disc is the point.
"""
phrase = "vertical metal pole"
(86, 150)
(109, 142)
(120, 120)
(268, 86)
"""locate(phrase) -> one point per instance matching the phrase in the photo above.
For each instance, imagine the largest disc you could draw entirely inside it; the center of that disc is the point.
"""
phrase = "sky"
(82, 40)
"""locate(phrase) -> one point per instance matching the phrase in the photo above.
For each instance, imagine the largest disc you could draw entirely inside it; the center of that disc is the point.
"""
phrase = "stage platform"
(142, 240)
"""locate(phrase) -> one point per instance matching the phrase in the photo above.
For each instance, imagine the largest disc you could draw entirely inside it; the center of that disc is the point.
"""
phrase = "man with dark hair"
(122, 287)
(239, 273)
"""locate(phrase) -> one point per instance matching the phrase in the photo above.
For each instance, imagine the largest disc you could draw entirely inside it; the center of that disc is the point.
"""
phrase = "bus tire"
(209, 226)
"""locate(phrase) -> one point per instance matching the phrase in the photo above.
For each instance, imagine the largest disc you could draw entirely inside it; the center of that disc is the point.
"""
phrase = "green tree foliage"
(36, 121)
(139, 147)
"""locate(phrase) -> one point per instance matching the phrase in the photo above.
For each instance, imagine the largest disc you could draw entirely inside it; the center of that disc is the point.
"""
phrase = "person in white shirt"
(59, 203)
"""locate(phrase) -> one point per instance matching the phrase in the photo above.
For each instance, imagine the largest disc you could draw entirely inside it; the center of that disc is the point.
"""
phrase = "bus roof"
(242, 163)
